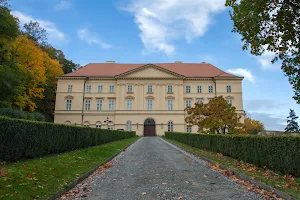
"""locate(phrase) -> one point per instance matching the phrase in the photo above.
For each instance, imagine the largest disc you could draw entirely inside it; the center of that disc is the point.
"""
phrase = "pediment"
(229, 97)
(150, 71)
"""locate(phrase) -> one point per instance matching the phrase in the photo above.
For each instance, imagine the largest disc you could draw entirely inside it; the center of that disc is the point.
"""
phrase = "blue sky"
(145, 31)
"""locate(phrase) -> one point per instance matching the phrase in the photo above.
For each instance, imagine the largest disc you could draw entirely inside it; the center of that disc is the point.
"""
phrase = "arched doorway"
(149, 127)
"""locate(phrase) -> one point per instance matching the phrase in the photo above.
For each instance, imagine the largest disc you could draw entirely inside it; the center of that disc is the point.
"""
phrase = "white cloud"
(92, 38)
(242, 72)
(54, 34)
(163, 21)
(63, 5)
(265, 61)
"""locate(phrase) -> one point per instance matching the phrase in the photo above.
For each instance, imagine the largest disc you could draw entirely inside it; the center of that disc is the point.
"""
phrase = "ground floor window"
(170, 126)
(98, 124)
(189, 129)
(128, 126)
(86, 124)
(110, 127)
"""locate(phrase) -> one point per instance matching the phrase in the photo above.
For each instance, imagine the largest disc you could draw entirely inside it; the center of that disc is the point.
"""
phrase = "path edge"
(241, 176)
(85, 175)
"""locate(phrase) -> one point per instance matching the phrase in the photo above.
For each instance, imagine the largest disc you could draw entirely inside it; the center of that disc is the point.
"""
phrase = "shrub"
(20, 114)
(278, 153)
(22, 139)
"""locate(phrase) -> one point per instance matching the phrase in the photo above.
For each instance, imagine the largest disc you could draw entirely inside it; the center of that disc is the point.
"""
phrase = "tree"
(36, 32)
(253, 126)
(272, 26)
(292, 125)
(217, 116)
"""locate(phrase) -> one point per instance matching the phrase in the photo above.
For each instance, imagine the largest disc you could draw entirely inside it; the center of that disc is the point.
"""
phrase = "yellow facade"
(138, 109)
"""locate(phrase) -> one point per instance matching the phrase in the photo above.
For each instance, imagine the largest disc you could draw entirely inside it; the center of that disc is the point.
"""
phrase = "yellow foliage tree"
(253, 126)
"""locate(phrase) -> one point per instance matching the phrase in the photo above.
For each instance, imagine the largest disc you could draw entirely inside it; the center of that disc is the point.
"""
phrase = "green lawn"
(288, 185)
(39, 178)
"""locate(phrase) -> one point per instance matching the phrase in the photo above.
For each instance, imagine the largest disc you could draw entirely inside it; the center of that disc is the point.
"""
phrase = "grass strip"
(287, 184)
(40, 178)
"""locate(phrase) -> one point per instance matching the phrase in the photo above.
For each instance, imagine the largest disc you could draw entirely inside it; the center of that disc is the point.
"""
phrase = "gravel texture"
(154, 169)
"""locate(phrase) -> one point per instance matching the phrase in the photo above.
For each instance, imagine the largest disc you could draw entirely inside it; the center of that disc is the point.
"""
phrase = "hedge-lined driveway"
(152, 169)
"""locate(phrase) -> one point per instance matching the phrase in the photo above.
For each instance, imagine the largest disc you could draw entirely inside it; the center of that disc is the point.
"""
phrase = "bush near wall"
(22, 139)
(278, 153)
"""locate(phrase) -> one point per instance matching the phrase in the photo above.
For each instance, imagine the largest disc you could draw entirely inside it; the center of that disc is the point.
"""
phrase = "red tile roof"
(185, 69)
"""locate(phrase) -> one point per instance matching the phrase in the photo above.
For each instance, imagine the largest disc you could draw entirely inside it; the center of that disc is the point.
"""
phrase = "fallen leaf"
(144, 193)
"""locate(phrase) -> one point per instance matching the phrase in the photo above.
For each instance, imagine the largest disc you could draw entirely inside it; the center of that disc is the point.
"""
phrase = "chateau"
(147, 98)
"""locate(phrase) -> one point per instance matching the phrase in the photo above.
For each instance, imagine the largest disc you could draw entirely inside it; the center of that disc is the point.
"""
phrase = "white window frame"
(88, 88)
(100, 88)
(170, 88)
(188, 103)
(87, 105)
(129, 88)
(128, 125)
(187, 89)
(229, 101)
(188, 129)
(170, 126)
(69, 104)
(150, 88)
(170, 104)
(99, 104)
(210, 89)
(87, 124)
(228, 87)
(129, 104)
(199, 101)
(149, 104)
(111, 89)
(70, 88)
(199, 89)
(111, 105)
(110, 127)
(98, 125)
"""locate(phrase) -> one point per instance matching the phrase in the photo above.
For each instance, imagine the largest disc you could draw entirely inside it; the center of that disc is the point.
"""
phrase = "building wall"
(139, 113)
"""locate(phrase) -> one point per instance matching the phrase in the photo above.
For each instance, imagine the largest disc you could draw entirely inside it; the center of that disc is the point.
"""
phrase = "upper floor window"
(129, 89)
(129, 104)
(69, 104)
(149, 88)
(170, 126)
(100, 88)
(87, 104)
(128, 126)
(188, 103)
(170, 88)
(189, 129)
(111, 88)
(149, 104)
(188, 89)
(199, 89)
(99, 104)
(170, 104)
(229, 101)
(210, 89)
(70, 87)
(88, 88)
(111, 105)
(228, 87)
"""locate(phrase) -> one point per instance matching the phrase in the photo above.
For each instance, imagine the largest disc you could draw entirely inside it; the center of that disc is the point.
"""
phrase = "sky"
(160, 31)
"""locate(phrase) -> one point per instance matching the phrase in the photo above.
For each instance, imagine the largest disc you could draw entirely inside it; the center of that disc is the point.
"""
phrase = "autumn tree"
(292, 124)
(253, 126)
(272, 26)
(216, 116)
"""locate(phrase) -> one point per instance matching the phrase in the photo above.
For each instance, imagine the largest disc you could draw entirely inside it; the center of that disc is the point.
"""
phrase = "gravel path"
(153, 169)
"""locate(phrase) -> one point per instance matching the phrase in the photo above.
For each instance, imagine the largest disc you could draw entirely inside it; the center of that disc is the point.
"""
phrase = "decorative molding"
(88, 97)
(170, 97)
(111, 97)
(229, 97)
(149, 97)
(99, 97)
(129, 97)
(69, 97)
(188, 98)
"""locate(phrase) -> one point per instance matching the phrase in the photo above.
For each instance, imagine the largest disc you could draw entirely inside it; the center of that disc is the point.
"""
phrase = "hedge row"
(278, 153)
(21, 139)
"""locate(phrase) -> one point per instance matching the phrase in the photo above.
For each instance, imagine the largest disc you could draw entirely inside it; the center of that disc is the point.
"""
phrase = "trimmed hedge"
(278, 153)
(22, 139)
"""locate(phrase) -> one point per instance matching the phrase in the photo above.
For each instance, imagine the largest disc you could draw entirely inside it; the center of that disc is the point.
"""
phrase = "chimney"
(178, 61)
(203, 63)
(110, 61)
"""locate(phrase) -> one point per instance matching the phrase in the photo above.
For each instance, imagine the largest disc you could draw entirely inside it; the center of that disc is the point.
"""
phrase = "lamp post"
(107, 121)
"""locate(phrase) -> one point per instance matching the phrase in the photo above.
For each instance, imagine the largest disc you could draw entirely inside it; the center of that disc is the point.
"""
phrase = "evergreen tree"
(292, 125)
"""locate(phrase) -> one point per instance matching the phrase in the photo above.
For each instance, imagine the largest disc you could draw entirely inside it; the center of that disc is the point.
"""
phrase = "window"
(86, 124)
(149, 88)
(88, 88)
(129, 104)
(87, 104)
(68, 123)
(170, 126)
(170, 88)
(149, 104)
(128, 126)
(228, 87)
(100, 88)
(111, 105)
(188, 103)
(210, 89)
(188, 129)
(199, 101)
(111, 88)
(110, 127)
(69, 104)
(199, 89)
(99, 104)
(70, 87)
(170, 104)
(98, 124)
(229, 101)
(188, 89)
(129, 88)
